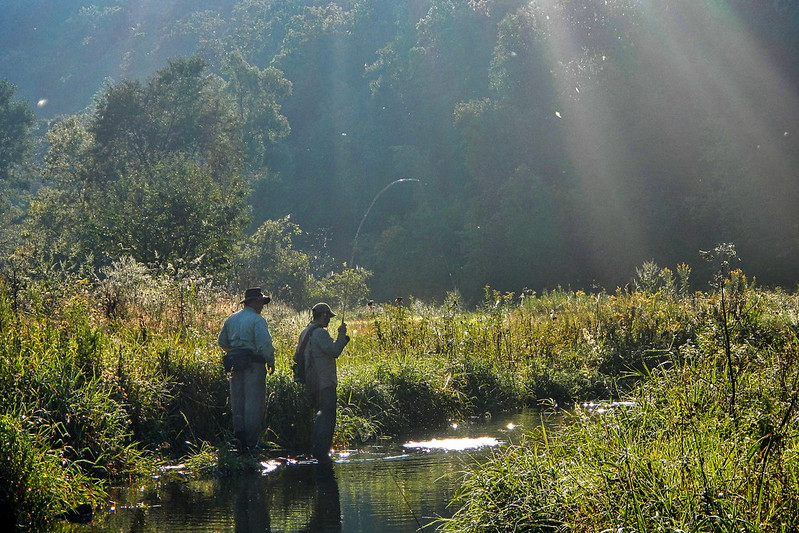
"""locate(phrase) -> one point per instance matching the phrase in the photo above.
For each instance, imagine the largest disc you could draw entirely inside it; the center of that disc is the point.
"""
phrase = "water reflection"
(326, 514)
(310, 487)
(250, 508)
(389, 488)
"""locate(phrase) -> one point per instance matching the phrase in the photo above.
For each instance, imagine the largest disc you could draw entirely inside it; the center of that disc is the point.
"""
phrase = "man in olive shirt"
(246, 334)
(320, 354)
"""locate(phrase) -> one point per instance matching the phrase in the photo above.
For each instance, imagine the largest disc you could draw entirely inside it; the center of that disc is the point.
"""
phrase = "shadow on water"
(396, 487)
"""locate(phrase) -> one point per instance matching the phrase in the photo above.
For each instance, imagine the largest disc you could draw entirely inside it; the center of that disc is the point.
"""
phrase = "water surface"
(396, 487)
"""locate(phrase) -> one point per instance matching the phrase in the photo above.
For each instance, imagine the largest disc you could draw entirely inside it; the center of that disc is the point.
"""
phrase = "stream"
(397, 487)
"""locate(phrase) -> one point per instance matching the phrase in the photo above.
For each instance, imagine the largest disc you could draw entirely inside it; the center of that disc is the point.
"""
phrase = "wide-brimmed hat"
(255, 294)
(320, 308)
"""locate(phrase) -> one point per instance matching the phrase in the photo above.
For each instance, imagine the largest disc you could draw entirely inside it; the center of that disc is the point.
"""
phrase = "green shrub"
(38, 483)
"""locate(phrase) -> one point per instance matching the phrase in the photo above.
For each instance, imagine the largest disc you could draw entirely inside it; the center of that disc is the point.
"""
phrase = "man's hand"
(342, 329)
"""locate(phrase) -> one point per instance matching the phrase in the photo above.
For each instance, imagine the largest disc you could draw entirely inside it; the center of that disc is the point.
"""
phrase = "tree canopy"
(154, 173)
(555, 143)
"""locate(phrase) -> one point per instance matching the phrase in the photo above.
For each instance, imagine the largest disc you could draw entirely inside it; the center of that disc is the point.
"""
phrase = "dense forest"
(542, 143)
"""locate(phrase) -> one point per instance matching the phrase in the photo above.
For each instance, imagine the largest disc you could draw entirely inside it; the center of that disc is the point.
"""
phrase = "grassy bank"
(708, 445)
(105, 381)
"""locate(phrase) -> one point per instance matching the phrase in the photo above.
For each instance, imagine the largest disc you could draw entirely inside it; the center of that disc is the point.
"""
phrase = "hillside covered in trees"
(555, 142)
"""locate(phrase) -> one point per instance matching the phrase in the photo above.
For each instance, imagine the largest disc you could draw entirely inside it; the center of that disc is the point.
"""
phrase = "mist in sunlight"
(697, 101)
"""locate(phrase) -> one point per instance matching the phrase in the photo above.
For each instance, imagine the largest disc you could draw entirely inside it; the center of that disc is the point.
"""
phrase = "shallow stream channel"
(401, 486)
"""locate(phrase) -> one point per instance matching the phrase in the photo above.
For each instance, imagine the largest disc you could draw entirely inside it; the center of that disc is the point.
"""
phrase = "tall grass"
(38, 481)
(680, 458)
(122, 371)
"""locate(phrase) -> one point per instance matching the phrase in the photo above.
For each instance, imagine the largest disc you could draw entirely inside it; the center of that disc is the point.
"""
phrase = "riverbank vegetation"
(92, 397)
(210, 146)
(705, 442)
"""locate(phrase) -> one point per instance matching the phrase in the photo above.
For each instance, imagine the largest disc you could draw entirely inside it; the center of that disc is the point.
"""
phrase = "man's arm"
(222, 340)
(263, 345)
(325, 344)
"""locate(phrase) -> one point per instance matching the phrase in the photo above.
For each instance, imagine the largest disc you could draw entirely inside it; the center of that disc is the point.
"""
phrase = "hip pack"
(238, 359)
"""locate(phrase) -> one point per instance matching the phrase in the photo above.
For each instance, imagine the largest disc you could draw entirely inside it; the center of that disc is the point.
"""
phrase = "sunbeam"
(717, 114)
(742, 103)
(600, 158)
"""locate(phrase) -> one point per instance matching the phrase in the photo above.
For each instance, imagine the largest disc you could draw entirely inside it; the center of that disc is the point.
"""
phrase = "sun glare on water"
(453, 444)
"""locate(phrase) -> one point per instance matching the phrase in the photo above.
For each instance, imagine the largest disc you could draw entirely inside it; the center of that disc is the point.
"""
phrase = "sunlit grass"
(684, 455)
(122, 394)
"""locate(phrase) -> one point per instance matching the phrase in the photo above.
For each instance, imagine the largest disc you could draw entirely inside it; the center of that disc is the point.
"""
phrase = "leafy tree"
(173, 214)
(16, 121)
(348, 288)
(56, 223)
(258, 27)
(269, 258)
(257, 93)
(195, 31)
(177, 111)
(155, 173)
(67, 162)
(60, 216)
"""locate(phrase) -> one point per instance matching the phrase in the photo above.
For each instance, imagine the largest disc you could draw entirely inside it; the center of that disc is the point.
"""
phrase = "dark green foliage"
(368, 409)
(416, 402)
(558, 143)
(16, 144)
(488, 389)
(289, 414)
(176, 402)
(55, 377)
(189, 217)
(177, 112)
(257, 94)
(16, 121)
(36, 484)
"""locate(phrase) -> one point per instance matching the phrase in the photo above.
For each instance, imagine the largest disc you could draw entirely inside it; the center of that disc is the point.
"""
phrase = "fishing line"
(358, 233)
(366, 214)
(405, 499)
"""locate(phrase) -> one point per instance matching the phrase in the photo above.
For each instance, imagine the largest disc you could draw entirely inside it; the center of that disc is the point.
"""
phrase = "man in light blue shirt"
(245, 337)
